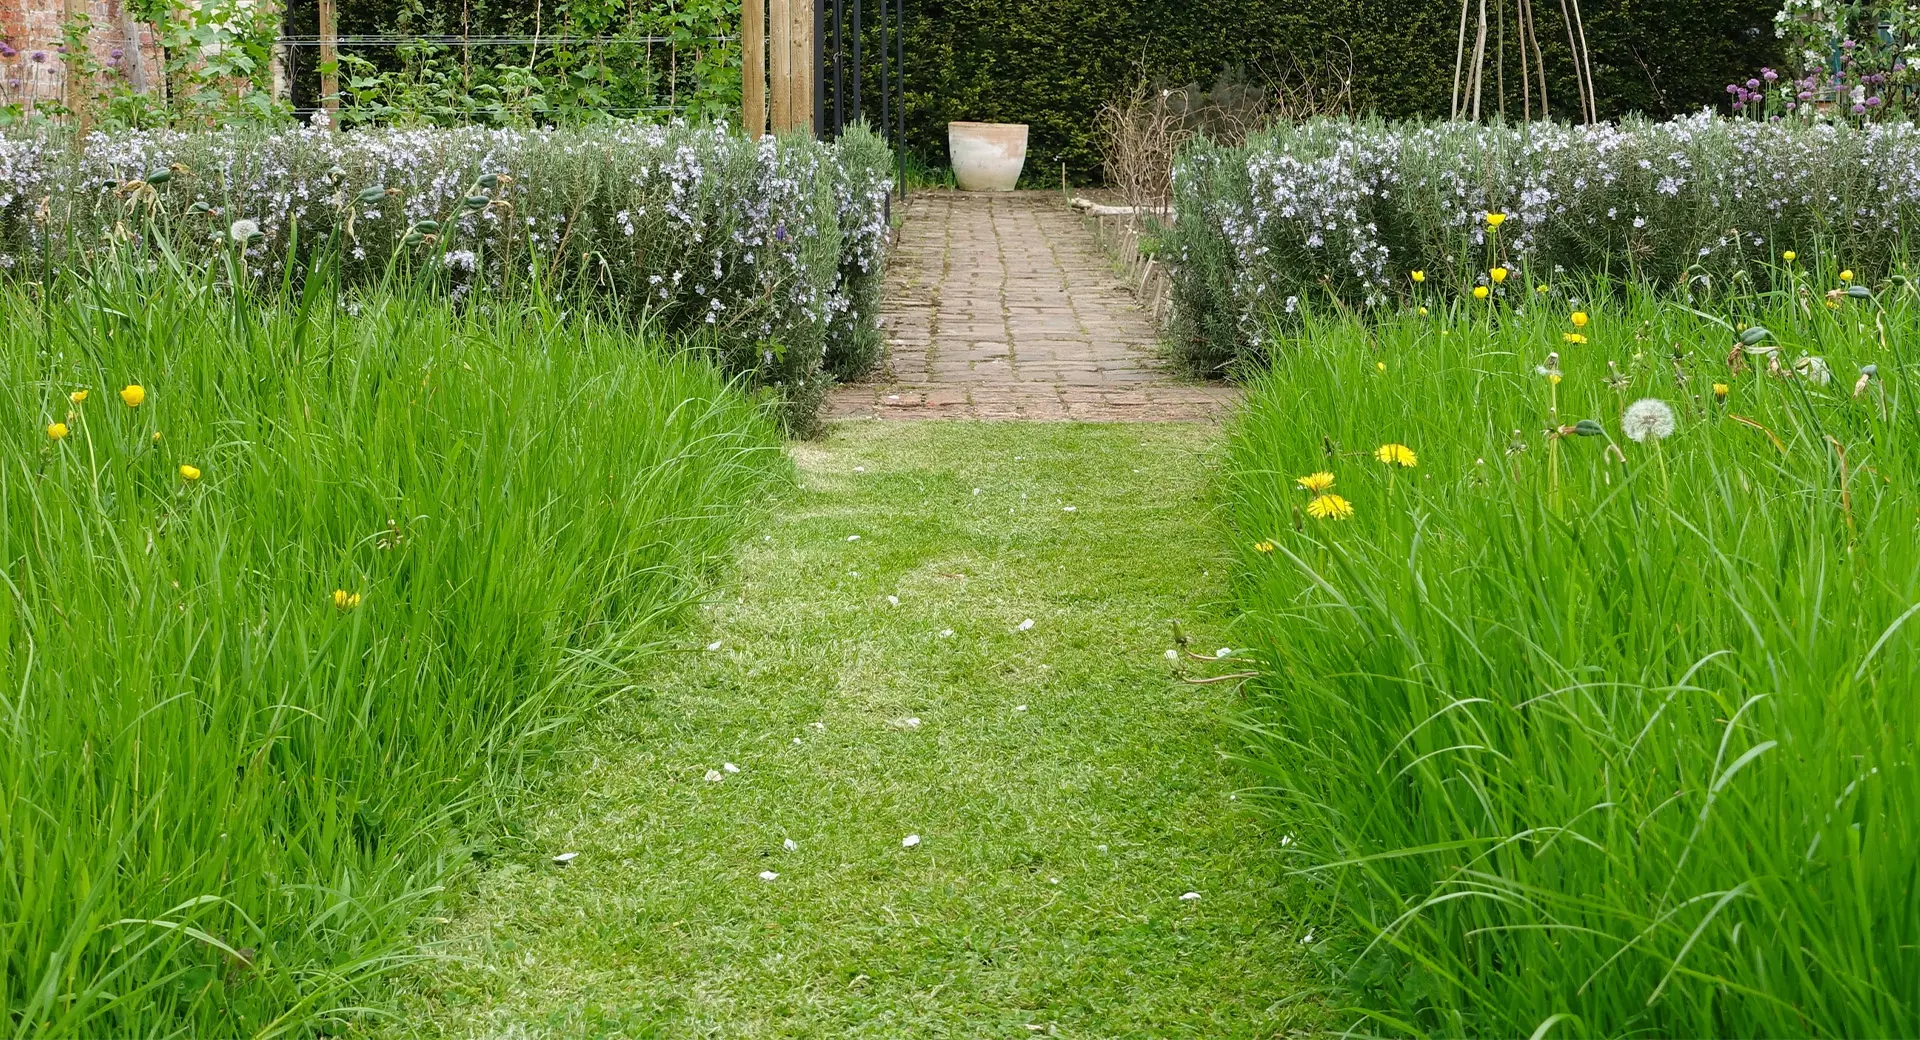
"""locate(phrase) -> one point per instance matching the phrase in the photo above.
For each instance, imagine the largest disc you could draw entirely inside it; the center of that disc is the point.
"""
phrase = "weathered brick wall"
(33, 59)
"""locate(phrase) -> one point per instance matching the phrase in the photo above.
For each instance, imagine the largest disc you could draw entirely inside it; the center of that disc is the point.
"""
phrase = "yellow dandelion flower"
(1540, 289)
(1846, 276)
(1579, 319)
(1329, 507)
(1419, 276)
(190, 472)
(156, 436)
(1423, 312)
(1315, 482)
(1263, 547)
(1573, 337)
(1554, 378)
(133, 394)
(1720, 391)
(1479, 292)
(1396, 455)
(1498, 274)
(1381, 365)
(1789, 256)
(1833, 304)
(56, 431)
(77, 396)
(344, 600)
(1494, 220)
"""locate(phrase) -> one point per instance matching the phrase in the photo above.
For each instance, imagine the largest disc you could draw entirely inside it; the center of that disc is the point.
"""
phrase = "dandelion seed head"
(1647, 418)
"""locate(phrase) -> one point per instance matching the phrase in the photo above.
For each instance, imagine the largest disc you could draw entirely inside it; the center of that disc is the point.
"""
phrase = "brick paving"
(1001, 306)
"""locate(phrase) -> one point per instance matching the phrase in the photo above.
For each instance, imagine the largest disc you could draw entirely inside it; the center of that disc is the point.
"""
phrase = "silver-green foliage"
(1570, 724)
(1325, 210)
(767, 251)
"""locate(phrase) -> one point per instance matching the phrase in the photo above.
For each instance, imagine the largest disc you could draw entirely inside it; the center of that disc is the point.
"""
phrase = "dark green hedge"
(1053, 63)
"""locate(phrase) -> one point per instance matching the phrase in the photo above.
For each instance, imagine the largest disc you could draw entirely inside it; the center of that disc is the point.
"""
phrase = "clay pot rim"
(966, 123)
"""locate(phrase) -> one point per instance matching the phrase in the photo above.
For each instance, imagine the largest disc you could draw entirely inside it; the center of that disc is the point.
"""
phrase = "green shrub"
(1054, 63)
(228, 791)
(1334, 214)
(767, 252)
(1583, 734)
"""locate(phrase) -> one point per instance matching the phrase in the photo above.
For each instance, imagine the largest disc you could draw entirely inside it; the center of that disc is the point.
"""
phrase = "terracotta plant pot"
(987, 156)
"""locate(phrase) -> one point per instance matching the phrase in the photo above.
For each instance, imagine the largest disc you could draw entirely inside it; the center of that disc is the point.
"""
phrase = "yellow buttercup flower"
(1494, 220)
(1396, 455)
(1263, 547)
(1789, 256)
(1540, 289)
(56, 431)
(1381, 365)
(77, 396)
(133, 394)
(344, 600)
(1573, 337)
(1479, 292)
(1419, 276)
(1498, 274)
(190, 472)
(1579, 319)
(1423, 312)
(156, 436)
(1329, 507)
(1315, 482)
(1847, 275)
(1720, 391)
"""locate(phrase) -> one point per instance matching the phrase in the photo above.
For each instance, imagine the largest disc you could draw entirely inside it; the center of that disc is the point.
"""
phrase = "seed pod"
(1754, 335)
(477, 202)
(199, 207)
(1859, 292)
(369, 196)
(489, 180)
(427, 226)
(1589, 428)
(159, 177)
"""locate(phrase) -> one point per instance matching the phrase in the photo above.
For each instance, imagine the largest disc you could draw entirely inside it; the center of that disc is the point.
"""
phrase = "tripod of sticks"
(1469, 74)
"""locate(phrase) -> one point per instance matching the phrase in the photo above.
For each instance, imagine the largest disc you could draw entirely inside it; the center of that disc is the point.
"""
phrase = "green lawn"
(1066, 785)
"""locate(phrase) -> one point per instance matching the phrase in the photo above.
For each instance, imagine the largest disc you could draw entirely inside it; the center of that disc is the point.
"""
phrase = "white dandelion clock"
(1647, 419)
(243, 232)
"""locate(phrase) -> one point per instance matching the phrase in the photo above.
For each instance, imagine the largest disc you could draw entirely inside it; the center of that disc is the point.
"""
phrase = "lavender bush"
(768, 253)
(1324, 212)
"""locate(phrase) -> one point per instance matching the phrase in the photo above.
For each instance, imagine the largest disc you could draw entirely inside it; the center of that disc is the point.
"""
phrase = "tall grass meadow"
(293, 583)
(1589, 633)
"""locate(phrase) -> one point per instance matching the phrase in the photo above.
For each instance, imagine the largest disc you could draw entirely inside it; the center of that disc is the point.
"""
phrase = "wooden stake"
(803, 64)
(753, 57)
(329, 63)
(780, 26)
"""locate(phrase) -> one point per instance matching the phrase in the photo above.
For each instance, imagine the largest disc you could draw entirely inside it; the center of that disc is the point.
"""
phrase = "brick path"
(1001, 306)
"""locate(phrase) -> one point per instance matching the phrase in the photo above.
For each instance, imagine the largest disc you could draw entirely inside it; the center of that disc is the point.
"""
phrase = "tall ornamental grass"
(287, 592)
(1338, 213)
(1588, 644)
(767, 252)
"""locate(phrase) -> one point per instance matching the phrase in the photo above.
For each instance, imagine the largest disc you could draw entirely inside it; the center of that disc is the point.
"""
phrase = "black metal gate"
(843, 70)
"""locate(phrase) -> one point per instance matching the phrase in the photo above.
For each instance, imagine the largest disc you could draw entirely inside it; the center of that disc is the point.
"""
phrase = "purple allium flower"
(1873, 102)
(116, 54)
(1738, 105)
(7, 51)
(40, 57)
(1769, 75)
(1753, 84)
(1847, 44)
(1806, 95)
(1859, 110)
(1733, 88)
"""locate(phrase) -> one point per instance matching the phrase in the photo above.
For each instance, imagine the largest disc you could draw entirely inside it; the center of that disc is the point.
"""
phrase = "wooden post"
(803, 100)
(329, 64)
(753, 59)
(780, 32)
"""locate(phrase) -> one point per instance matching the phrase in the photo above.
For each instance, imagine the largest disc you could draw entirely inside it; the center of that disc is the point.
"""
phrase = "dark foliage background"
(1053, 63)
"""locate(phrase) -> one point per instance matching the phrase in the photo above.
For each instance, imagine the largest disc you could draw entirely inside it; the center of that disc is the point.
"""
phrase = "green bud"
(159, 177)
(1859, 292)
(1754, 335)
(477, 202)
(199, 207)
(427, 226)
(368, 196)
(489, 180)
(1588, 428)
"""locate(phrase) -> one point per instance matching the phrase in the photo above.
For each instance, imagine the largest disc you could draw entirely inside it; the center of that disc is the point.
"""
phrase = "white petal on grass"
(730, 767)
(859, 469)
(790, 845)
(853, 538)
(976, 491)
(714, 776)
(1286, 840)
(1173, 655)
(946, 633)
(1019, 707)
(1069, 509)
(796, 740)
(768, 875)
(821, 726)
(1307, 938)
(909, 841)
(1224, 651)
(1053, 881)
(565, 858)
(715, 645)
(1190, 897)
(1024, 625)
(893, 601)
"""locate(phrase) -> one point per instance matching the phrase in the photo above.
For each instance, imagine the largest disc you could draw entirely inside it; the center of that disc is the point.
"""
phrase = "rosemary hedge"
(768, 253)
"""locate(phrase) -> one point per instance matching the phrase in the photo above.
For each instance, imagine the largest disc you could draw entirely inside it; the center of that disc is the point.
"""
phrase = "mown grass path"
(1066, 787)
